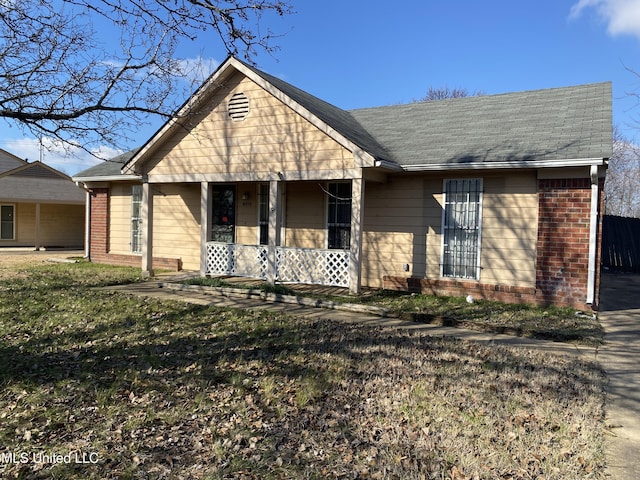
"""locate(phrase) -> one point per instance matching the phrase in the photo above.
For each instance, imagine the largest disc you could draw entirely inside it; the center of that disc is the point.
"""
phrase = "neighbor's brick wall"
(563, 241)
(99, 238)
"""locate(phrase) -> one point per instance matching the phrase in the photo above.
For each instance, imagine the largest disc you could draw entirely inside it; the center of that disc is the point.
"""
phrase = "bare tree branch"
(443, 93)
(89, 72)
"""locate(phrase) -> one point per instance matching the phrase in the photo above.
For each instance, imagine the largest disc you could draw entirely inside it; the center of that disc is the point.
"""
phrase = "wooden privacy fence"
(621, 244)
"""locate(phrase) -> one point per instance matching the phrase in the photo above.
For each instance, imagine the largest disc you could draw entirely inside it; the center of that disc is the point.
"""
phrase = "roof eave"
(107, 178)
(574, 162)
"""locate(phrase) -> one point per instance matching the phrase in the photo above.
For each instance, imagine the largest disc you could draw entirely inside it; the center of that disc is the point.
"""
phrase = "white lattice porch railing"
(238, 260)
(314, 266)
(293, 265)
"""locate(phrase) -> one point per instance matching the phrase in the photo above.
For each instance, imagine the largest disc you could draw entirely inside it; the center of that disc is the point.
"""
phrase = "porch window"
(7, 222)
(461, 226)
(136, 218)
(339, 215)
(263, 213)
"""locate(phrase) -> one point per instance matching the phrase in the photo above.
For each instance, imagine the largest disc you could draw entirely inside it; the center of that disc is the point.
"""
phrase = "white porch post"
(357, 217)
(205, 221)
(275, 222)
(37, 239)
(147, 229)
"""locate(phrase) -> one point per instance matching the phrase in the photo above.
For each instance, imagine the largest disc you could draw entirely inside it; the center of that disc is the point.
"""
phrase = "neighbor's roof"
(553, 124)
(38, 182)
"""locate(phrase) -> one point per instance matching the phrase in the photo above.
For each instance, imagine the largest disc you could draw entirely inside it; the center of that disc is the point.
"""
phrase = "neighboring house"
(494, 196)
(39, 206)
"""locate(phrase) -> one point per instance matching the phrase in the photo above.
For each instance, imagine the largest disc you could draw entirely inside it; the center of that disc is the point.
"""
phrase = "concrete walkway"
(620, 357)
(226, 299)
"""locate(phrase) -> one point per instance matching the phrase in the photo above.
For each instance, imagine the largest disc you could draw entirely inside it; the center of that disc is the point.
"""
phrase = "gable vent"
(238, 107)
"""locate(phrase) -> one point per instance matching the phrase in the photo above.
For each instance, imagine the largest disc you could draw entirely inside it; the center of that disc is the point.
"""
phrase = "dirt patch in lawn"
(14, 264)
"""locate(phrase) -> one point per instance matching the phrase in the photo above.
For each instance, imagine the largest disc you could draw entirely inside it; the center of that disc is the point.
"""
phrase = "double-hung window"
(136, 218)
(339, 215)
(461, 227)
(7, 222)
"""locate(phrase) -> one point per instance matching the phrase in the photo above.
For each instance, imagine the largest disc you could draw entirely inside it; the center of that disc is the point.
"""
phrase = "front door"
(223, 221)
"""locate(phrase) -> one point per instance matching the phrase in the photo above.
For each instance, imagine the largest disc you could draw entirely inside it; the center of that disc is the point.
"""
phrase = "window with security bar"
(461, 227)
(339, 215)
(136, 218)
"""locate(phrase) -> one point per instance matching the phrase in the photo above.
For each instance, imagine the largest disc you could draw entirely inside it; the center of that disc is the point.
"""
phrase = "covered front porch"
(284, 251)
(293, 232)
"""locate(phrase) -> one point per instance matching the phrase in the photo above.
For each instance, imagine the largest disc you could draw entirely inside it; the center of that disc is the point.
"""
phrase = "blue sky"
(369, 53)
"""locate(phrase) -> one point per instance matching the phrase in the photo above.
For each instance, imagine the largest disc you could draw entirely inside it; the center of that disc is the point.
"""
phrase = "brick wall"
(563, 241)
(99, 238)
(99, 223)
(461, 288)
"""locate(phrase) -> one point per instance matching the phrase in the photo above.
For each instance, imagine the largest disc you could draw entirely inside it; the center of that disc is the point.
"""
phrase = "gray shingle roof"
(567, 123)
(107, 168)
(554, 124)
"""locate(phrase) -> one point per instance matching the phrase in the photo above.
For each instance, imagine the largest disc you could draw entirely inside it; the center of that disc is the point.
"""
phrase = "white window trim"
(131, 239)
(442, 224)
(13, 205)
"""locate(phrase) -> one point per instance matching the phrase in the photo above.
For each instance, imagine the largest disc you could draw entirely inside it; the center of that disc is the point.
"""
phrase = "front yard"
(102, 385)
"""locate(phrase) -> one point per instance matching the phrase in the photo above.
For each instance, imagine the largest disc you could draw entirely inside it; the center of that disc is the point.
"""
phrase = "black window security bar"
(461, 228)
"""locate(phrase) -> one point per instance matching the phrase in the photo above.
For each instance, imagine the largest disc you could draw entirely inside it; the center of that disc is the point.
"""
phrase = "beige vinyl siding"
(509, 229)
(272, 138)
(120, 218)
(399, 216)
(306, 221)
(25, 224)
(61, 225)
(176, 223)
(403, 225)
(247, 214)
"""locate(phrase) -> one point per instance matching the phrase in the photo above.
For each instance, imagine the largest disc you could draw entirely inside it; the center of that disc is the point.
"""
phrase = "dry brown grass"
(166, 390)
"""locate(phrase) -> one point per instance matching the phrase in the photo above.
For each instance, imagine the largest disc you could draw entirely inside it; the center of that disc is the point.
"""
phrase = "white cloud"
(67, 159)
(621, 16)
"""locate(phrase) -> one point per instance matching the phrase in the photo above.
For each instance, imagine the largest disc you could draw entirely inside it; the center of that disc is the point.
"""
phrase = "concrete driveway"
(620, 357)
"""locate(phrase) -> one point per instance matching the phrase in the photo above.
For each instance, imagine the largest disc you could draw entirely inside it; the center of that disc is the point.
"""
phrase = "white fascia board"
(387, 165)
(577, 162)
(110, 178)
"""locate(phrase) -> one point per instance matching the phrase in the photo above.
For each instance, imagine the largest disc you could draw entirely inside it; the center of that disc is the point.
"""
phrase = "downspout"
(593, 235)
(87, 226)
